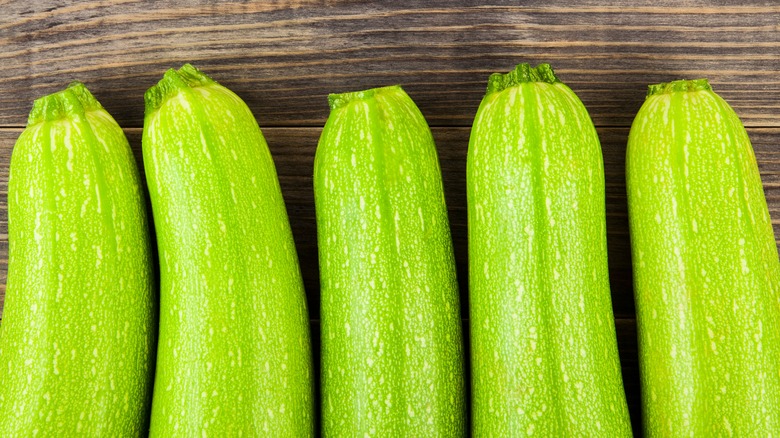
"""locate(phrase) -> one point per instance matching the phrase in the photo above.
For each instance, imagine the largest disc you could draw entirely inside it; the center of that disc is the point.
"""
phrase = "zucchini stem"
(64, 104)
(172, 83)
(340, 100)
(678, 86)
(522, 73)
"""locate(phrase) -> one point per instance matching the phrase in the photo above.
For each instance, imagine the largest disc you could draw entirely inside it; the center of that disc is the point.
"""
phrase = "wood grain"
(284, 57)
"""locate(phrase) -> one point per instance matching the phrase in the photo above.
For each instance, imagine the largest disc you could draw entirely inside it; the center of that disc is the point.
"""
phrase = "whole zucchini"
(543, 349)
(78, 331)
(234, 355)
(706, 270)
(391, 333)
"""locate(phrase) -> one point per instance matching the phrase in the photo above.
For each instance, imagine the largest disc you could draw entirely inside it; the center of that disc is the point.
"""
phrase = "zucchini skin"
(234, 356)
(78, 333)
(543, 346)
(392, 360)
(706, 271)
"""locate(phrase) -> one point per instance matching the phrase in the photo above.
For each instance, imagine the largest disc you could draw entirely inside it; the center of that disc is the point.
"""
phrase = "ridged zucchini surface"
(78, 329)
(706, 270)
(234, 354)
(544, 356)
(392, 361)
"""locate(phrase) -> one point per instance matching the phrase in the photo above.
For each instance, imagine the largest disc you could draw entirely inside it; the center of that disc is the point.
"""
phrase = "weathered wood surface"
(284, 57)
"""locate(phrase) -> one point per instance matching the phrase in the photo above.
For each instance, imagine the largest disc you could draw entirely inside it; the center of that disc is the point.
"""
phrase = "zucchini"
(706, 270)
(78, 332)
(234, 355)
(391, 332)
(543, 347)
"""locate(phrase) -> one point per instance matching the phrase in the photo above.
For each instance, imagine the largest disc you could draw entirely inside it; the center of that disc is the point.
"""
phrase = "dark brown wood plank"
(293, 150)
(629, 362)
(284, 57)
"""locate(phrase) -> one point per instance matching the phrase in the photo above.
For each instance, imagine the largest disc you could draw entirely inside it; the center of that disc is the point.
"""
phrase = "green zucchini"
(543, 348)
(392, 361)
(706, 270)
(234, 355)
(78, 332)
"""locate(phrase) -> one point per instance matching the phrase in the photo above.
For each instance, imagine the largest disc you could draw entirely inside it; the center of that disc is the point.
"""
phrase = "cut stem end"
(679, 86)
(522, 73)
(336, 101)
(172, 83)
(72, 101)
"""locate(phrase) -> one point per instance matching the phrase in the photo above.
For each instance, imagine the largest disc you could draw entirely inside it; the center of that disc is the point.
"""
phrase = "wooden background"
(284, 57)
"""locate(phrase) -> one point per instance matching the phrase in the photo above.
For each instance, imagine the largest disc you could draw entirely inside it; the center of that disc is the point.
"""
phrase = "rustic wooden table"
(284, 57)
